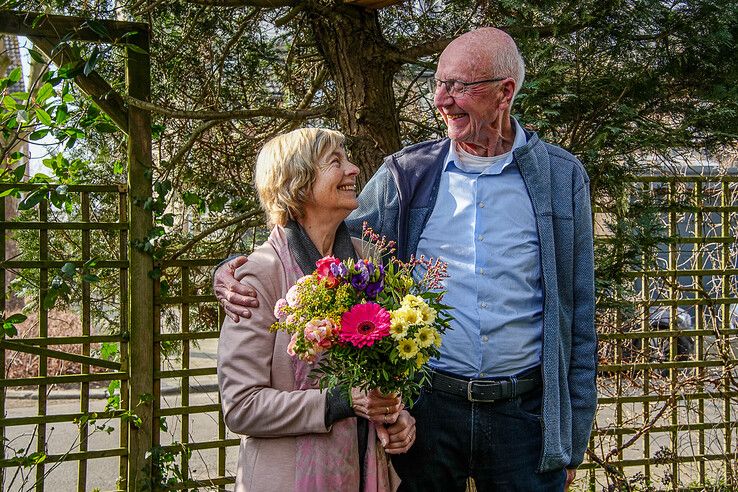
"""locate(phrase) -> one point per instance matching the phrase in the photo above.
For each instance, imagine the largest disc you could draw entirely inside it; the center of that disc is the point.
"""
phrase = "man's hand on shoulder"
(234, 296)
(571, 474)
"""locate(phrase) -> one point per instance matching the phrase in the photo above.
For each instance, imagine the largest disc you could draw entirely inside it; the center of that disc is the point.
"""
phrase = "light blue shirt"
(484, 227)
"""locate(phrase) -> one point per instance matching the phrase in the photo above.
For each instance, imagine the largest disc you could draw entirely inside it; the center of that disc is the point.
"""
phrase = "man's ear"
(506, 94)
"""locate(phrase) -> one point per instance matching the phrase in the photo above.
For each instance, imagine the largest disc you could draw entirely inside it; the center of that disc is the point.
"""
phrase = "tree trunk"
(351, 42)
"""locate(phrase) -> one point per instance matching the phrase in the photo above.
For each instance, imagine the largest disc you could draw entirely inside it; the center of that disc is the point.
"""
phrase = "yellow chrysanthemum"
(412, 301)
(420, 360)
(425, 337)
(427, 313)
(436, 339)
(398, 329)
(407, 316)
(407, 348)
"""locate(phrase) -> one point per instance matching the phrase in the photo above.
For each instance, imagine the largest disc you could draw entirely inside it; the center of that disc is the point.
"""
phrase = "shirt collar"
(499, 166)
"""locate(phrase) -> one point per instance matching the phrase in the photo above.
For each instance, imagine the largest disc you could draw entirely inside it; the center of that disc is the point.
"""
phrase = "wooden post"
(141, 285)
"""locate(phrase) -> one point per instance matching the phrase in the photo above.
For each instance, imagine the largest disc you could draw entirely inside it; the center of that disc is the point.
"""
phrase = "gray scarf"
(305, 252)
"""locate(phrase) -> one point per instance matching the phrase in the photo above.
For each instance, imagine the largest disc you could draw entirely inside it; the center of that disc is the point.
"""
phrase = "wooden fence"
(667, 410)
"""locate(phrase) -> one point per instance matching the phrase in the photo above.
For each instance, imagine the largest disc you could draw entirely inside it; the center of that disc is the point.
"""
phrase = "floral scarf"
(328, 461)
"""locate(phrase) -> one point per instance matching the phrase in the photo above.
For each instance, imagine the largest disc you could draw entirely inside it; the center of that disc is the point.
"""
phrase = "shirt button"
(481, 238)
(481, 204)
(481, 271)
(483, 304)
(485, 339)
(482, 374)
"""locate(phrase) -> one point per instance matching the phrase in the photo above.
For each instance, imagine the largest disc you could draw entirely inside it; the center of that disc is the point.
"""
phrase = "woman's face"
(334, 190)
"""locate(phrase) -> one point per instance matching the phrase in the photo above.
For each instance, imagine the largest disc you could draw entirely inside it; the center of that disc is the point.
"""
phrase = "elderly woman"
(296, 437)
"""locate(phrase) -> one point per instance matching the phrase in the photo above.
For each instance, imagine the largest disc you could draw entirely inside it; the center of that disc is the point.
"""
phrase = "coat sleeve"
(251, 403)
(378, 206)
(583, 363)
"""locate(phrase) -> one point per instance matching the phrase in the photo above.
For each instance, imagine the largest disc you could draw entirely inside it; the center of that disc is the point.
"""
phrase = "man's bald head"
(490, 49)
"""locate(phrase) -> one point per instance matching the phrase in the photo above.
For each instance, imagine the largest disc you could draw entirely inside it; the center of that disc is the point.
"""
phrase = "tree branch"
(244, 3)
(411, 55)
(185, 148)
(221, 225)
(93, 84)
(236, 114)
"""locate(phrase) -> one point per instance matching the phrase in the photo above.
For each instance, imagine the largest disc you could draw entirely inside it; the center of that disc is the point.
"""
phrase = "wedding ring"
(384, 418)
(386, 410)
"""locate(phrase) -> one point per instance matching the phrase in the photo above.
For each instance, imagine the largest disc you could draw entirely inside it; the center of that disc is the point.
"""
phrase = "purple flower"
(374, 288)
(361, 275)
(339, 270)
(359, 281)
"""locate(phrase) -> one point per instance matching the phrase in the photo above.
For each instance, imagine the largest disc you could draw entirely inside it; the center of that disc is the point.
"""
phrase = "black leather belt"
(485, 390)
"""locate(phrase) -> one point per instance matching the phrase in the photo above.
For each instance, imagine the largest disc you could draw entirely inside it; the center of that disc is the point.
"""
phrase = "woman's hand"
(374, 406)
(401, 434)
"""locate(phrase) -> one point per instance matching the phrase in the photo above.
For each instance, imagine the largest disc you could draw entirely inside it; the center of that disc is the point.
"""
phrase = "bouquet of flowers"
(365, 325)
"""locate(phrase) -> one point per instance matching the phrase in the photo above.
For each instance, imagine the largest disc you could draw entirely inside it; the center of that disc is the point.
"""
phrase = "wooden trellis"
(50, 34)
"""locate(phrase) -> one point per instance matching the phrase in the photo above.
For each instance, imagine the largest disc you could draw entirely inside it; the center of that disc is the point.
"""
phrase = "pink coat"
(257, 383)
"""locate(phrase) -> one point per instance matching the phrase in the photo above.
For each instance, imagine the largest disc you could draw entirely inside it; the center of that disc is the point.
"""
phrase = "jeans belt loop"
(514, 389)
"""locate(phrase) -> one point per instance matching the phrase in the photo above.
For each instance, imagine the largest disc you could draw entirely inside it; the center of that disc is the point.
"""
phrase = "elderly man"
(513, 395)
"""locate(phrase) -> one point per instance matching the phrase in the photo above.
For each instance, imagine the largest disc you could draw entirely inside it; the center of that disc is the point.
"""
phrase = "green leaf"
(118, 167)
(91, 61)
(19, 96)
(70, 70)
(74, 132)
(136, 49)
(105, 127)
(9, 191)
(43, 117)
(98, 28)
(108, 351)
(50, 299)
(21, 116)
(167, 220)
(36, 458)
(190, 198)
(91, 263)
(15, 75)
(16, 318)
(69, 269)
(19, 172)
(91, 278)
(217, 204)
(45, 92)
(62, 115)
(9, 103)
(38, 134)
(36, 56)
(32, 199)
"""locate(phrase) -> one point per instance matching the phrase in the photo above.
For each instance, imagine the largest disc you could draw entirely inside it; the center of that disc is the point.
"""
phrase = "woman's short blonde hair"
(286, 169)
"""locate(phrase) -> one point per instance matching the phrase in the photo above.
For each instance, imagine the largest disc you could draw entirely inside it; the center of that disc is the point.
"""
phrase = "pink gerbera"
(364, 324)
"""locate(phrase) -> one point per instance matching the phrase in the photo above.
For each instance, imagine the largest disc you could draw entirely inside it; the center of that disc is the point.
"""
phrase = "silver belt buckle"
(481, 382)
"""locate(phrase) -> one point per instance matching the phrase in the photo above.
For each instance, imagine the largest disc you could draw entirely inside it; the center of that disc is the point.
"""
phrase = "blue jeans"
(499, 444)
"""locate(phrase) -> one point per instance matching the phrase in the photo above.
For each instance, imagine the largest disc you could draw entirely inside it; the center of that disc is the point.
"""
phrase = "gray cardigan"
(398, 201)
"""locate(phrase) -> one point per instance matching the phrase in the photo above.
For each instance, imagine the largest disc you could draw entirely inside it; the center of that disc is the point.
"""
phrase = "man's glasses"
(457, 88)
